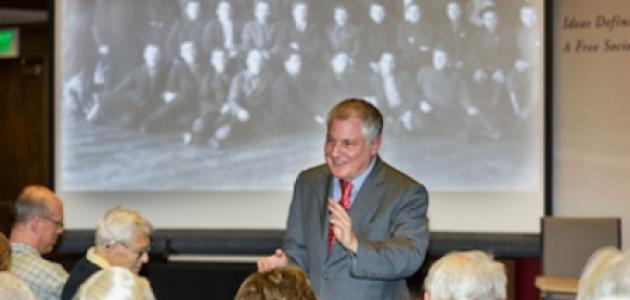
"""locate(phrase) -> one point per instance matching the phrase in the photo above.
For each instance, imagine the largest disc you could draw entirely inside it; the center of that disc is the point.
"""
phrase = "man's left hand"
(340, 218)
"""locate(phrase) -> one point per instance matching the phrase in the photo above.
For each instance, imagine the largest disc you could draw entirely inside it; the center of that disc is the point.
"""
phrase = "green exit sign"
(9, 38)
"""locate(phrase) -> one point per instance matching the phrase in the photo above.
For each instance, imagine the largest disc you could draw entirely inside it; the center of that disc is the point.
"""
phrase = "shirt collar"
(357, 182)
(21, 247)
(97, 259)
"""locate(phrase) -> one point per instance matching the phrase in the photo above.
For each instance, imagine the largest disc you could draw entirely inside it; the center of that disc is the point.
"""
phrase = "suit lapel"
(364, 205)
(367, 200)
(324, 189)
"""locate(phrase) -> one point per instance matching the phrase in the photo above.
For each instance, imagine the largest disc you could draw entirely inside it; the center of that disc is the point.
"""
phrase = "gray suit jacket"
(389, 219)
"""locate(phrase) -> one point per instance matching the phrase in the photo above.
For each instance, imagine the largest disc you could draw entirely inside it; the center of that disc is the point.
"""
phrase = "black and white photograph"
(218, 95)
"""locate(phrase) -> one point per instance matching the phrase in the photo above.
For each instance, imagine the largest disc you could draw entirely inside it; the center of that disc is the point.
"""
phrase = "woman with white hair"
(468, 275)
(115, 283)
(605, 276)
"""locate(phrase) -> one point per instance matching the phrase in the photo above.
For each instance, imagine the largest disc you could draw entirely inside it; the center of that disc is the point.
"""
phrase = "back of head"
(606, 274)
(285, 283)
(115, 283)
(371, 117)
(621, 276)
(34, 201)
(11, 287)
(119, 225)
(468, 275)
(5, 252)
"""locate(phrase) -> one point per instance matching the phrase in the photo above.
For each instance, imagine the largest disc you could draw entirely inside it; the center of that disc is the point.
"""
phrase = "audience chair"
(567, 244)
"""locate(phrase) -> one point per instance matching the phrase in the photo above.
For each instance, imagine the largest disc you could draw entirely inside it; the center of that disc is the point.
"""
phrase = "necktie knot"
(344, 200)
(346, 190)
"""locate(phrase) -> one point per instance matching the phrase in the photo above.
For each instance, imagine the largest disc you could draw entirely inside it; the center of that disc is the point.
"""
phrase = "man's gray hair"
(467, 275)
(32, 203)
(371, 117)
(119, 225)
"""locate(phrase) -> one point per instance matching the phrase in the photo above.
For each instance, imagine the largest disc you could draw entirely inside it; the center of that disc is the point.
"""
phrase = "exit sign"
(9, 43)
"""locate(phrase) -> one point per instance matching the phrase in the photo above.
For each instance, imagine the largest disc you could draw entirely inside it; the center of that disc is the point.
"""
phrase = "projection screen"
(200, 113)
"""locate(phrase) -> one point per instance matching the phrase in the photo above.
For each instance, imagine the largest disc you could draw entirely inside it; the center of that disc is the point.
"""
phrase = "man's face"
(50, 227)
(254, 62)
(528, 16)
(300, 12)
(192, 10)
(339, 63)
(453, 11)
(439, 59)
(347, 150)
(224, 10)
(387, 62)
(293, 64)
(413, 13)
(490, 20)
(188, 52)
(341, 16)
(133, 254)
(151, 55)
(377, 13)
(262, 11)
(217, 60)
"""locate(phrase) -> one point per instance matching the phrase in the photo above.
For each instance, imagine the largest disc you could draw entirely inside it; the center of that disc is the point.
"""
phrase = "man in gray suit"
(379, 240)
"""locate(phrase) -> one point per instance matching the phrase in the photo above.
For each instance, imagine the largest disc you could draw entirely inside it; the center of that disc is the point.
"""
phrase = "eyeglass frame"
(138, 252)
(59, 224)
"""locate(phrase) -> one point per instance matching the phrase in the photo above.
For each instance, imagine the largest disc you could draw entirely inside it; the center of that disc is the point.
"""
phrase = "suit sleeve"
(294, 238)
(403, 253)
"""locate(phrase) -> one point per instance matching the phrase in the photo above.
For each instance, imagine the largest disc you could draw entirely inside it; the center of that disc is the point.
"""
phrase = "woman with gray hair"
(468, 275)
(115, 283)
(605, 276)
(122, 239)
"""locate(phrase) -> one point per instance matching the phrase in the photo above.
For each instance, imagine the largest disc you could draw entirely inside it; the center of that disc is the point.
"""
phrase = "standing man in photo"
(356, 225)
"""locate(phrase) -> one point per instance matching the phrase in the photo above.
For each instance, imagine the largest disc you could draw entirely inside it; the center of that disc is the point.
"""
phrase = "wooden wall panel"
(24, 115)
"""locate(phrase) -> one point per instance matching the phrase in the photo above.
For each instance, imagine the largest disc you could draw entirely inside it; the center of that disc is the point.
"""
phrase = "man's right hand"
(276, 260)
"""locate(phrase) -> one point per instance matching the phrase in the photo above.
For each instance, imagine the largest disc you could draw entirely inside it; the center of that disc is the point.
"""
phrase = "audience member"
(288, 282)
(606, 274)
(115, 283)
(38, 224)
(121, 239)
(468, 275)
(5, 253)
(12, 288)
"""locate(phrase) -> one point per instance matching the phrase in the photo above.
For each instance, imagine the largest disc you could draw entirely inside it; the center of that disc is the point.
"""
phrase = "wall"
(592, 102)
(24, 114)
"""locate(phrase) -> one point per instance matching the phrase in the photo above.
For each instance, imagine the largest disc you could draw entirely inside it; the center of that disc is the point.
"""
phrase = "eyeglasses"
(137, 251)
(57, 223)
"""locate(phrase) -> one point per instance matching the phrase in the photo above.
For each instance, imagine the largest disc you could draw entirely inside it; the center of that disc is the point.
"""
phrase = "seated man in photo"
(122, 239)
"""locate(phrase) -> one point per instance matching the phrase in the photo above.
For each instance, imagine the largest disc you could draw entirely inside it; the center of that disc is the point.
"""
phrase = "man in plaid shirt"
(38, 224)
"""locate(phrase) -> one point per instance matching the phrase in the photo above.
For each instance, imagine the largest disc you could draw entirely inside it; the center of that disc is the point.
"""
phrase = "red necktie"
(344, 200)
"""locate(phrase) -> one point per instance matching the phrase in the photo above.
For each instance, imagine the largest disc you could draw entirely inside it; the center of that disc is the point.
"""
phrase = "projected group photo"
(233, 95)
